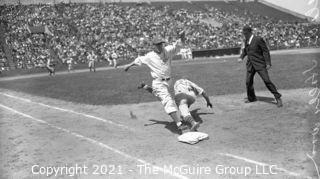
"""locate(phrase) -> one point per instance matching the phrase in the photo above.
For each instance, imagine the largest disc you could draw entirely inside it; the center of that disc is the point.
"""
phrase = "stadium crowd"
(126, 29)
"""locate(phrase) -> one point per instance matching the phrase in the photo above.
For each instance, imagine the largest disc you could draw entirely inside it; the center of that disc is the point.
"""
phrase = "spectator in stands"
(87, 26)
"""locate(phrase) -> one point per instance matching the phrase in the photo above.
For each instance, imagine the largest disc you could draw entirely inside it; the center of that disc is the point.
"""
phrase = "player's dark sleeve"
(265, 51)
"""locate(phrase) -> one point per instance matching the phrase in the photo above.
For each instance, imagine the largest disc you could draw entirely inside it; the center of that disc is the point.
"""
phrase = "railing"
(216, 52)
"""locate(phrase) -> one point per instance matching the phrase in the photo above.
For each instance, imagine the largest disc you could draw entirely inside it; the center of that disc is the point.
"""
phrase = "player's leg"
(115, 63)
(54, 69)
(184, 101)
(160, 90)
(49, 70)
(190, 55)
(110, 62)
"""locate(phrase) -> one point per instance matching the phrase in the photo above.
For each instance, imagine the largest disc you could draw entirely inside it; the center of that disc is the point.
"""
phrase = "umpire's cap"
(247, 29)
(157, 40)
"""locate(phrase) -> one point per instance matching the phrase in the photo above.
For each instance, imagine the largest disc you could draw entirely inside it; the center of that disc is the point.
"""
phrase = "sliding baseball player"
(186, 93)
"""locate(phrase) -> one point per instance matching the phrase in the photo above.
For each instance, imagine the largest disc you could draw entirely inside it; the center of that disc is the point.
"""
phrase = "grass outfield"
(59, 67)
(117, 87)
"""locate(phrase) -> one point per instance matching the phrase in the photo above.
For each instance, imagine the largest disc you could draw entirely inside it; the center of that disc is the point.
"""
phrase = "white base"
(192, 137)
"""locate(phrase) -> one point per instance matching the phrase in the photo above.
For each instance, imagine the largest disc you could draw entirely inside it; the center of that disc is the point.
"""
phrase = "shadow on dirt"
(196, 114)
(171, 126)
(266, 99)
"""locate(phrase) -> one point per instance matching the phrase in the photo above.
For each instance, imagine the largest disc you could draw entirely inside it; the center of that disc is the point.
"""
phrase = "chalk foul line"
(165, 171)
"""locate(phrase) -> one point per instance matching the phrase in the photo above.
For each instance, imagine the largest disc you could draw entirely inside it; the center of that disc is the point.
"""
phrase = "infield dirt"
(258, 131)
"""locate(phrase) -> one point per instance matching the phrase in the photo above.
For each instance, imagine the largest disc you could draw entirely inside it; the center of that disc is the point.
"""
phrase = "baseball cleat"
(183, 127)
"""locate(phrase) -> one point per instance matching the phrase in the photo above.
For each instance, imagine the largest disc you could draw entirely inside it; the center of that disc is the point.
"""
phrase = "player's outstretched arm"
(128, 66)
(137, 62)
(205, 96)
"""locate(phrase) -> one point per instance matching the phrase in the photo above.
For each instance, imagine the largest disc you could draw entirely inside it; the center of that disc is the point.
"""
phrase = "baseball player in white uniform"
(50, 67)
(69, 63)
(186, 93)
(92, 58)
(189, 54)
(107, 57)
(114, 57)
(159, 62)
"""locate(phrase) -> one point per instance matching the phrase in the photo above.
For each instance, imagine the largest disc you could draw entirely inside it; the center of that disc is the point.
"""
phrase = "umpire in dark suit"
(258, 62)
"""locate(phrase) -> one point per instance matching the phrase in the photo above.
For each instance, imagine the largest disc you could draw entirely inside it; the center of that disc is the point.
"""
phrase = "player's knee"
(184, 110)
(170, 106)
(170, 109)
(183, 102)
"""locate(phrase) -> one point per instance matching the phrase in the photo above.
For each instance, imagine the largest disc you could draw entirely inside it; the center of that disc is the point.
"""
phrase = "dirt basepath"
(43, 132)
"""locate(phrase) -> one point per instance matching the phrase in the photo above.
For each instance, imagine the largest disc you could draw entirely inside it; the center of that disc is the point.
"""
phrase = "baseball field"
(99, 125)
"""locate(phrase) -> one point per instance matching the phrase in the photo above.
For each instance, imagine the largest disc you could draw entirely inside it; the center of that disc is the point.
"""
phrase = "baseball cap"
(157, 40)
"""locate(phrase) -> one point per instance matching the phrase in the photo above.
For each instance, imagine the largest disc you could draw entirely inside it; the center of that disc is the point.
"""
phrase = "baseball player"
(69, 63)
(186, 93)
(108, 58)
(183, 53)
(159, 62)
(91, 59)
(50, 67)
(114, 57)
(189, 54)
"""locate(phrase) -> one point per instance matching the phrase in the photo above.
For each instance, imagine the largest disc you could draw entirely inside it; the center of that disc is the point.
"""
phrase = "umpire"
(258, 61)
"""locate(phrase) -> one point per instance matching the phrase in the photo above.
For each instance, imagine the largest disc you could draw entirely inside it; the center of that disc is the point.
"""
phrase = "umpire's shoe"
(279, 102)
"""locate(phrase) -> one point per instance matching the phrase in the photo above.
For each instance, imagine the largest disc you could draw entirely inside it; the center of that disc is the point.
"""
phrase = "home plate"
(192, 137)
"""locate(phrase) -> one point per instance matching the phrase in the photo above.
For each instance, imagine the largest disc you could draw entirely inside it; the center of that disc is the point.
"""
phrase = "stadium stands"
(127, 27)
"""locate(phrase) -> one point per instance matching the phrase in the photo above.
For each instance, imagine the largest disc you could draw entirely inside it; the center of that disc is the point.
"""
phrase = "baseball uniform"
(185, 95)
(69, 63)
(92, 57)
(114, 57)
(160, 68)
(50, 67)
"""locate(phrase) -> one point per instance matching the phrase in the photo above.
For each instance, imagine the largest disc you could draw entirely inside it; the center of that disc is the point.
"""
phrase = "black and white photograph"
(159, 89)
